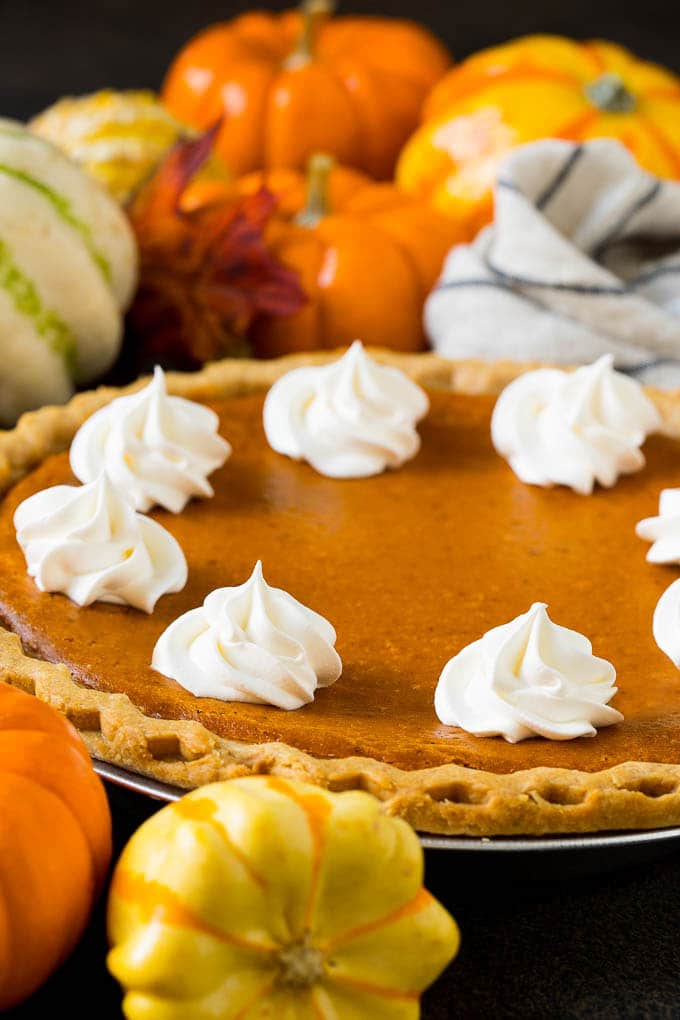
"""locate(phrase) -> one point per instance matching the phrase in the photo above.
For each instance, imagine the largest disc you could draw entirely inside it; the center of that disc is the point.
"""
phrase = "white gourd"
(68, 271)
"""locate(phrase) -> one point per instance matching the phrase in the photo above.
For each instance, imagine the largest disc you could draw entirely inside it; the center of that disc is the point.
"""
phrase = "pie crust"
(450, 799)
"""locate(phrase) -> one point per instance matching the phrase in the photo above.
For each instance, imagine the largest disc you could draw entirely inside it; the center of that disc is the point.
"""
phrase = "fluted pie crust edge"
(448, 799)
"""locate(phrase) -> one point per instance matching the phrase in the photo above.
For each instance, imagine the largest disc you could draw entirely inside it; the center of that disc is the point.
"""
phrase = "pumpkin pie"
(410, 566)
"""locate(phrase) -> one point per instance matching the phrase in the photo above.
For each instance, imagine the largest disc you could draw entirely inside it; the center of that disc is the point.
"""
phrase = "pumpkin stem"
(314, 13)
(610, 94)
(317, 203)
(301, 964)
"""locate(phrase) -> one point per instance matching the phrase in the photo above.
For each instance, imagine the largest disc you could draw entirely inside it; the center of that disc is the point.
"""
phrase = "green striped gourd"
(68, 270)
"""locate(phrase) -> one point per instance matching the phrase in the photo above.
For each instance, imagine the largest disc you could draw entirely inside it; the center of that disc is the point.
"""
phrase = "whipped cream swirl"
(89, 543)
(528, 678)
(250, 643)
(158, 449)
(350, 419)
(666, 623)
(664, 530)
(573, 428)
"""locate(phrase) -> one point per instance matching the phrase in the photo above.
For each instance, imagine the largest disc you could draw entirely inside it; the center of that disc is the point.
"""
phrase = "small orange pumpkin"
(536, 87)
(291, 84)
(55, 841)
(366, 255)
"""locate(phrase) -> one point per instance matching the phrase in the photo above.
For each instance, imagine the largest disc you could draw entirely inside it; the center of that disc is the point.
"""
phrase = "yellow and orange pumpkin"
(263, 897)
(291, 84)
(536, 87)
(55, 841)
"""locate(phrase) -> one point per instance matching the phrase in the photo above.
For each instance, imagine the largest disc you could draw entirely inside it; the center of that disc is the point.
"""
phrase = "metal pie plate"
(596, 852)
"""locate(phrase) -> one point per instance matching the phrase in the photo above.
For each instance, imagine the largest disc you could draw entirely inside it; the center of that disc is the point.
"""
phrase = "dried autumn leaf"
(205, 274)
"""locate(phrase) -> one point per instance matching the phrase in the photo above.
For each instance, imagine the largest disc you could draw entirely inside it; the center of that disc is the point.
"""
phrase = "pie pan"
(496, 860)
(616, 792)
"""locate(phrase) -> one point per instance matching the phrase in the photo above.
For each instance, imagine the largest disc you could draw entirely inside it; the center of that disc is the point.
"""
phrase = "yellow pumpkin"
(263, 897)
(118, 137)
(536, 87)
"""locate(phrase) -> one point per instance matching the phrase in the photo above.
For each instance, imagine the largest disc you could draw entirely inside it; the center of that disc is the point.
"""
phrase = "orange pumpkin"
(291, 84)
(366, 255)
(536, 87)
(55, 841)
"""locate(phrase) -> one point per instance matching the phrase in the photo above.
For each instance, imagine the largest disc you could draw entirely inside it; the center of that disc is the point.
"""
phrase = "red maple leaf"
(205, 274)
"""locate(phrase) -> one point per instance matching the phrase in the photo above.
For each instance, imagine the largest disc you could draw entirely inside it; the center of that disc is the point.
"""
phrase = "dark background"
(581, 946)
(49, 49)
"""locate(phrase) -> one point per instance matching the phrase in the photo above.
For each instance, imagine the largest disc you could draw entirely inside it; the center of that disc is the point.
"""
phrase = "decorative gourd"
(536, 87)
(292, 84)
(55, 841)
(68, 267)
(367, 256)
(262, 897)
(118, 137)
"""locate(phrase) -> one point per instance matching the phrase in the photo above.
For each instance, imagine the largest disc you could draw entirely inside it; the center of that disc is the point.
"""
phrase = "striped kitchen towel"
(583, 258)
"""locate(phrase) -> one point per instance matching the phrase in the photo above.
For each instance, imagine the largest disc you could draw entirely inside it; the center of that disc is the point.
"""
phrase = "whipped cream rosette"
(666, 623)
(663, 530)
(251, 643)
(157, 448)
(89, 543)
(528, 678)
(351, 419)
(573, 428)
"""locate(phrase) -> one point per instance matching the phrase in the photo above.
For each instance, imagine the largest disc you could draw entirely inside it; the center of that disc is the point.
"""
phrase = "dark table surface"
(595, 946)
(549, 945)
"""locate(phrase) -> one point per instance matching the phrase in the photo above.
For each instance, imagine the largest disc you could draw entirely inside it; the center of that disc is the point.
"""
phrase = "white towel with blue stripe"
(582, 259)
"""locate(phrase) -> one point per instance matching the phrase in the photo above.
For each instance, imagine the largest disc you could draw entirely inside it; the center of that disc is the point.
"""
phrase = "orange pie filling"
(410, 566)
